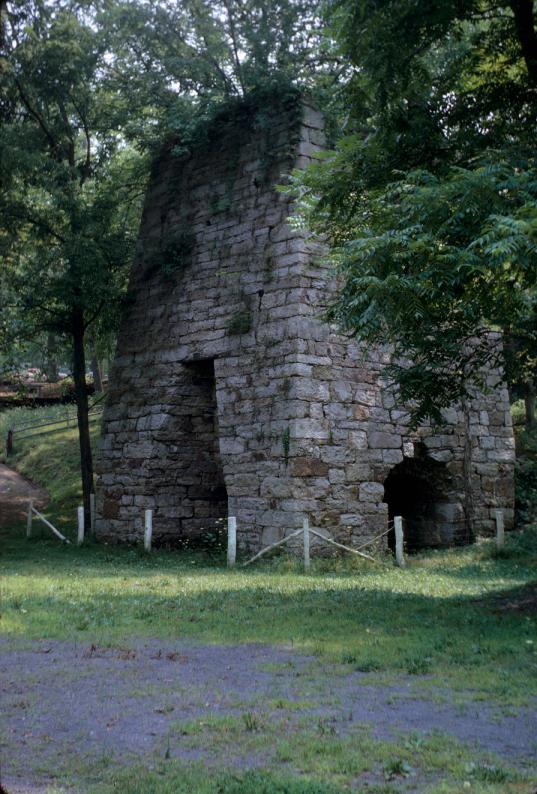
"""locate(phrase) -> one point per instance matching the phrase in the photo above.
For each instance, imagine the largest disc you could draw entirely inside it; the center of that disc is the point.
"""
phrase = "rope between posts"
(318, 534)
(273, 546)
(341, 546)
(32, 510)
(377, 537)
(364, 545)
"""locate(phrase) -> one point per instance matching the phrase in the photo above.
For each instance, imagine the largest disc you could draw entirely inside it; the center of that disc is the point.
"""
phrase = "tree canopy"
(430, 198)
(88, 90)
(71, 188)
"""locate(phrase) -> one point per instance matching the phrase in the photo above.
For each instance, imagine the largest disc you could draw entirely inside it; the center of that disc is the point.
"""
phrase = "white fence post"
(500, 529)
(231, 541)
(398, 526)
(306, 526)
(148, 532)
(92, 513)
(29, 519)
(80, 536)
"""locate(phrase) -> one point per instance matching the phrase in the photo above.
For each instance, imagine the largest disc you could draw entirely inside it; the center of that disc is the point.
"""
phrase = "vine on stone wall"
(230, 126)
(240, 322)
(173, 255)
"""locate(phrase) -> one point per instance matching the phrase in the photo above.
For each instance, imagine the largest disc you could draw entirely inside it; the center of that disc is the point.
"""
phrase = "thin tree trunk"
(51, 364)
(95, 368)
(3, 25)
(529, 402)
(79, 375)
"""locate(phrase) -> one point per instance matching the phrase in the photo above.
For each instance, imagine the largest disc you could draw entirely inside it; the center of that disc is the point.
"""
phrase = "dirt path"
(67, 706)
(15, 493)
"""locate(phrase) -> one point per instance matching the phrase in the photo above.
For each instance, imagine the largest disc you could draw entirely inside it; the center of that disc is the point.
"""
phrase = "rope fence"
(307, 531)
(395, 526)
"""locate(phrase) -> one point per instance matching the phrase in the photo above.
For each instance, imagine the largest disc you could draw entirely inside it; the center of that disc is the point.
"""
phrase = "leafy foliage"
(177, 62)
(438, 263)
(240, 322)
(71, 189)
(526, 478)
(434, 84)
(430, 199)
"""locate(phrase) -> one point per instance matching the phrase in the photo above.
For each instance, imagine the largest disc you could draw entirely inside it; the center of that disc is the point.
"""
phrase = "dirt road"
(15, 493)
(68, 705)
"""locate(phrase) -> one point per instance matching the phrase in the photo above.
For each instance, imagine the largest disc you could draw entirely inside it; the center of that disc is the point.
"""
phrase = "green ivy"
(173, 255)
(238, 115)
(240, 322)
(230, 125)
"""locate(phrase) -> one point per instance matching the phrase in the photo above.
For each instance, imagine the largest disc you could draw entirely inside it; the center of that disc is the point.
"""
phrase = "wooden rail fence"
(21, 431)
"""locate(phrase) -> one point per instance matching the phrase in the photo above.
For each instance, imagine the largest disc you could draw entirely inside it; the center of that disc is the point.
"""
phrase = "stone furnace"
(230, 393)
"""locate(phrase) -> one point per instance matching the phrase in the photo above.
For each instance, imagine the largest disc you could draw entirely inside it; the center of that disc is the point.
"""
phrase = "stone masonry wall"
(230, 392)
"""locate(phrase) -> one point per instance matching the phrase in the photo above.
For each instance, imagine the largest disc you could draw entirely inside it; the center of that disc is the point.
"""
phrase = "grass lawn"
(438, 616)
(449, 620)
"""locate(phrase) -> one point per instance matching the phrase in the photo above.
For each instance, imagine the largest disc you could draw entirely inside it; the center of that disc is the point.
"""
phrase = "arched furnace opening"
(423, 492)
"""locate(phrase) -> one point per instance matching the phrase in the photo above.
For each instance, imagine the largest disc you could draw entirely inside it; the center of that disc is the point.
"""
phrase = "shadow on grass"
(381, 619)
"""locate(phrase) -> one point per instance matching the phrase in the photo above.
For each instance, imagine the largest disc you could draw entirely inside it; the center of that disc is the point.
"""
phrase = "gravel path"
(63, 701)
(15, 493)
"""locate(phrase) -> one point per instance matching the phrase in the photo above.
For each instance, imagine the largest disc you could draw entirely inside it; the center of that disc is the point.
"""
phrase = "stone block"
(358, 439)
(231, 446)
(501, 456)
(352, 520)
(110, 509)
(408, 449)
(336, 476)
(384, 440)
(309, 467)
(441, 455)
(307, 389)
(308, 428)
(371, 492)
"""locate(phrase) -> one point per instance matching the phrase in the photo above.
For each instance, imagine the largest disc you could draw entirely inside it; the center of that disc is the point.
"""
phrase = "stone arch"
(423, 491)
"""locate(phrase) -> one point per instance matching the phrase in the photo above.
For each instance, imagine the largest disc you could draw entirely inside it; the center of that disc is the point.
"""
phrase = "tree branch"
(232, 33)
(41, 224)
(95, 314)
(69, 133)
(37, 116)
(86, 168)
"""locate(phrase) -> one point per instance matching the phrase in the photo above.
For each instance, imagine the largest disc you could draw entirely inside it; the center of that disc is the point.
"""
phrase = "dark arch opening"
(423, 492)
(200, 488)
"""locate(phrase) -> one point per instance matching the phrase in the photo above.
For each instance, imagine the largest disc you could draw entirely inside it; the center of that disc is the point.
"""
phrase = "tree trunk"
(81, 394)
(96, 369)
(3, 20)
(527, 36)
(529, 402)
(51, 364)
